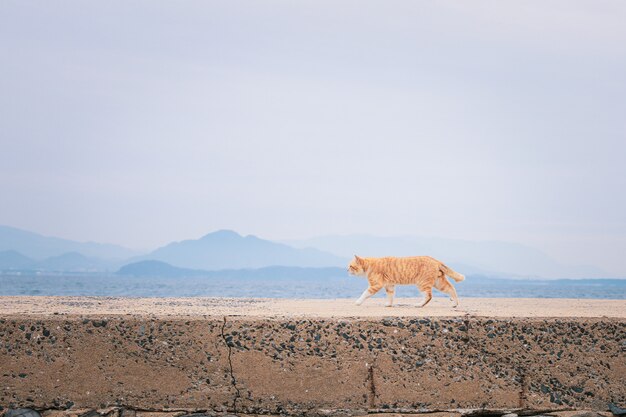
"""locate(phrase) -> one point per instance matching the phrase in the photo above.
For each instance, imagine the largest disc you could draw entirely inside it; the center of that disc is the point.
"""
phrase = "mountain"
(157, 269)
(226, 249)
(490, 258)
(10, 259)
(39, 247)
(165, 270)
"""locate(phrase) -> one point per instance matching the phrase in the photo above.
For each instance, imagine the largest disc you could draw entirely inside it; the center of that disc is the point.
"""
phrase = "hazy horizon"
(509, 260)
(144, 123)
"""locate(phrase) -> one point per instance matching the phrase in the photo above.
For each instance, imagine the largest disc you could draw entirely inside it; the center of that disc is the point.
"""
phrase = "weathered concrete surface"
(298, 363)
(259, 307)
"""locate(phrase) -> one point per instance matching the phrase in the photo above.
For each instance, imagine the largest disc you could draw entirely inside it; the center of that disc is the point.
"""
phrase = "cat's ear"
(358, 260)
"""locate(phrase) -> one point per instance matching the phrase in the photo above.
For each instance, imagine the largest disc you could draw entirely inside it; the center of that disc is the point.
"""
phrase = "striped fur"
(423, 271)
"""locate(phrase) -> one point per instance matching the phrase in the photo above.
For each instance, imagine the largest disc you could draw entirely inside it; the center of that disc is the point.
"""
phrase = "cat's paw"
(388, 305)
(358, 302)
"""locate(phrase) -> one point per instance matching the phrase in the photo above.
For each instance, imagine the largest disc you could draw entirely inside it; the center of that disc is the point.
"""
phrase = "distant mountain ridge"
(164, 270)
(39, 247)
(226, 249)
(160, 269)
(490, 258)
(11, 260)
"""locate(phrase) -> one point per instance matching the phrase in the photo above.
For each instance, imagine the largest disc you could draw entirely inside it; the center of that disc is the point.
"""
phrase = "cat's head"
(357, 266)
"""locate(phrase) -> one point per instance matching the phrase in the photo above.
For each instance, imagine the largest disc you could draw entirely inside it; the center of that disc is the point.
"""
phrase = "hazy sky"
(143, 122)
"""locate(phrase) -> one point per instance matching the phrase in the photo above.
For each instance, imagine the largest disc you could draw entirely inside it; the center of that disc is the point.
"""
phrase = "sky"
(143, 122)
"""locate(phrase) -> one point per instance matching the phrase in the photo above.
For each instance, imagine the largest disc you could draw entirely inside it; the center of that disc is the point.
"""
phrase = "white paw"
(358, 302)
(388, 305)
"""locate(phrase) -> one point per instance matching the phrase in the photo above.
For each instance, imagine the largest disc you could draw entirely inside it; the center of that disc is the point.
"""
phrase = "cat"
(423, 271)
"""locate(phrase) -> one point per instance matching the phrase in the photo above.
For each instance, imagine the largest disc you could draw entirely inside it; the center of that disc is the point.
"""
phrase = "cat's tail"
(452, 274)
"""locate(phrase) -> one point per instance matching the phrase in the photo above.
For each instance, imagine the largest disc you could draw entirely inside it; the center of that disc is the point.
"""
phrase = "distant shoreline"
(289, 283)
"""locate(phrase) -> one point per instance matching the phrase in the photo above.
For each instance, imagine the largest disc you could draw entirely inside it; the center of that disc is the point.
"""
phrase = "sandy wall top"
(340, 308)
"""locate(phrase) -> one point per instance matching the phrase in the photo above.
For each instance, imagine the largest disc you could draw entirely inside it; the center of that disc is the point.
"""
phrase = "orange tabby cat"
(423, 271)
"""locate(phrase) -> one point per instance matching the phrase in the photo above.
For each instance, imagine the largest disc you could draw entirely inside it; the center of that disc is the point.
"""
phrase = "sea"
(285, 287)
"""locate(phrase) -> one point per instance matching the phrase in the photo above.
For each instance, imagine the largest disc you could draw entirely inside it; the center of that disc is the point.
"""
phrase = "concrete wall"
(273, 366)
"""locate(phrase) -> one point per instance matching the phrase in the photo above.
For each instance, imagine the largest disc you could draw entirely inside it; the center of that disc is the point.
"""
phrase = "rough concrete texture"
(296, 365)
(260, 307)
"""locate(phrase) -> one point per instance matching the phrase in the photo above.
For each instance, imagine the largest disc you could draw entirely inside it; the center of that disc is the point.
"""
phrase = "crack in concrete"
(522, 393)
(371, 395)
(233, 380)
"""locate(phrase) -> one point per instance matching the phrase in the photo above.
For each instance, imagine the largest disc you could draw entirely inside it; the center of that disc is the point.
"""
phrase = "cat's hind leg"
(390, 289)
(371, 290)
(444, 285)
(452, 292)
(428, 295)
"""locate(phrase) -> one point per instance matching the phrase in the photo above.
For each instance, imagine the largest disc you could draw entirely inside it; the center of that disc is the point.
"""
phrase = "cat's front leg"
(363, 297)
(390, 289)
(371, 290)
